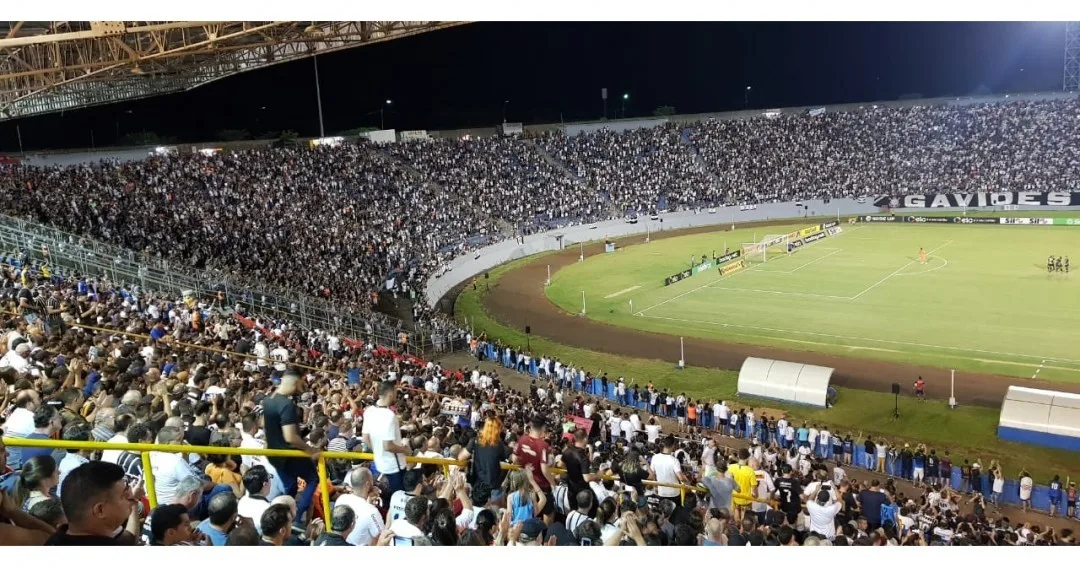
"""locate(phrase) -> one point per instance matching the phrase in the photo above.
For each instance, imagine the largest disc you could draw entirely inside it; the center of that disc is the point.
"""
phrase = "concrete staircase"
(554, 162)
(684, 139)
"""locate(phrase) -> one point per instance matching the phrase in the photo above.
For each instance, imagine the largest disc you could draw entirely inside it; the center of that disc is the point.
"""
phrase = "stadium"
(847, 324)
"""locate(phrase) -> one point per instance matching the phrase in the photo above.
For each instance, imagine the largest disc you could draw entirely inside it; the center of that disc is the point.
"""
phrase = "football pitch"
(983, 302)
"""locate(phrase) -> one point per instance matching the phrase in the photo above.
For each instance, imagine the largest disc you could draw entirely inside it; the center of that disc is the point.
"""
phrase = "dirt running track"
(518, 297)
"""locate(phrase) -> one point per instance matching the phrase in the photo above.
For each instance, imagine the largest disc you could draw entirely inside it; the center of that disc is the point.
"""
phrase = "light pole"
(505, 102)
(382, 121)
(746, 97)
(258, 116)
(318, 95)
(625, 97)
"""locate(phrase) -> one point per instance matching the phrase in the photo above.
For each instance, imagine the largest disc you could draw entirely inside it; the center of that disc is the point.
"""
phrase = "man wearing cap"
(532, 533)
(281, 418)
(822, 510)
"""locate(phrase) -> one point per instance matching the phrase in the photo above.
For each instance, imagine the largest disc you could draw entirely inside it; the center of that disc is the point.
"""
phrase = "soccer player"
(922, 255)
(1049, 264)
(1060, 267)
(1066, 264)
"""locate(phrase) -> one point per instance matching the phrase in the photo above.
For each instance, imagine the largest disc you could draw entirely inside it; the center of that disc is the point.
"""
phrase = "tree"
(664, 111)
(233, 135)
(145, 139)
(356, 131)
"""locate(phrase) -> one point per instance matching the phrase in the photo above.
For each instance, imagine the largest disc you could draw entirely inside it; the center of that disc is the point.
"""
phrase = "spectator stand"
(1040, 498)
(146, 448)
(68, 255)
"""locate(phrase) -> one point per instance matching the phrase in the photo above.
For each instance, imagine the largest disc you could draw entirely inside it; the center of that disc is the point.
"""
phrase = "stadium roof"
(54, 66)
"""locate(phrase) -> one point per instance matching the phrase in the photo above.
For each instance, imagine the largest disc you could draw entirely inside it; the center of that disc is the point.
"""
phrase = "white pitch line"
(927, 271)
(837, 251)
(882, 341)
(1036, 374)
(900, 269)
(783, 293)
(618, 293)
(699, 288)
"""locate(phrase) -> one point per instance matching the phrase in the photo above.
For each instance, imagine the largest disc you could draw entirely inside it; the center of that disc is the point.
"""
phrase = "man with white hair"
(20, 424)
(363, 499)
(169, 468)
(17, 359)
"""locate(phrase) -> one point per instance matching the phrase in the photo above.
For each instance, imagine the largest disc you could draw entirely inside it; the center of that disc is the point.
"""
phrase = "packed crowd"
(504, 178)
(341, 222)
(642, 171)
(885, 150)
(202, 380)
(336, 223)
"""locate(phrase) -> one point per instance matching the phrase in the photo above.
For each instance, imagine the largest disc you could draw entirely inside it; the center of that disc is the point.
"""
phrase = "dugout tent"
(1041, 417)
(786, 381)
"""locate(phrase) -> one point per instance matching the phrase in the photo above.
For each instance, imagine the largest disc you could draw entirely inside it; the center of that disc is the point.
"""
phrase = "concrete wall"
(465, 267)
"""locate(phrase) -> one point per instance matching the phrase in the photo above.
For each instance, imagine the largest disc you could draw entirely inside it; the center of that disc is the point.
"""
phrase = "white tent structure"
(1041, 417)
(785, 381)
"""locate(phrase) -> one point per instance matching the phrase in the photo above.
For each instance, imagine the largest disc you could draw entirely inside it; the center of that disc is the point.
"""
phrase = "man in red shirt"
(920, 388)
(533, 450)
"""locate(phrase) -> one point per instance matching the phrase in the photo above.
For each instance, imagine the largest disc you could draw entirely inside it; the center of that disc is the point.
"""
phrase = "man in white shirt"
(17, 359)
(280, 356)
(121, 422)
(75, 431)
(613, 424)
(665, 468)
(169, 468)
(263, 352)
(824, 442)
(652, 430)
(255, 500)
(813, 439)
(369, 522)
(823, 509)
(382, 432)
(725, 415)
(20, 424)
(716, 409)
(627, 429)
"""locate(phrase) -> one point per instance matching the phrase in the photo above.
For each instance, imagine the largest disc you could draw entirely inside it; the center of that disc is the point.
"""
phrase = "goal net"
(771, 246)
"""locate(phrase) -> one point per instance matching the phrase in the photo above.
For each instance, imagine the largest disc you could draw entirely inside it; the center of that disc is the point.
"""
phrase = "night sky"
(459, 78)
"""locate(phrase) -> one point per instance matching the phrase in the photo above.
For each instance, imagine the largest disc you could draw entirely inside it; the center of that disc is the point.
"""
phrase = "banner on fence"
(981, 199)
(1027, 220)
(579, 423)
(1042, 221)
(730, 268)
(733, 255)
(678, 277)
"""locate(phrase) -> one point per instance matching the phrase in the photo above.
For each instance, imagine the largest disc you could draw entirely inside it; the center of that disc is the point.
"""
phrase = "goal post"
(771, 246)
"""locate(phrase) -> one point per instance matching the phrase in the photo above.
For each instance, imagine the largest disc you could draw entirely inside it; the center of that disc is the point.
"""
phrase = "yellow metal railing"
(148, 474)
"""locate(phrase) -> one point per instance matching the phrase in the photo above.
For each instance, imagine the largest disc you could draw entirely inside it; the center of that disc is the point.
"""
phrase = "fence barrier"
(1040, 494)
(324, 482)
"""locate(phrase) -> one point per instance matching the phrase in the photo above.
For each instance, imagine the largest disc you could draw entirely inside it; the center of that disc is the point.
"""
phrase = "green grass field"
(982, 303)
(967, 432)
